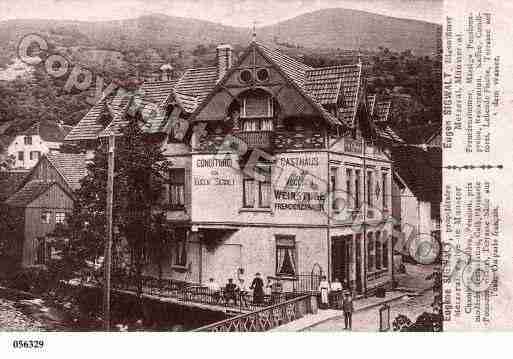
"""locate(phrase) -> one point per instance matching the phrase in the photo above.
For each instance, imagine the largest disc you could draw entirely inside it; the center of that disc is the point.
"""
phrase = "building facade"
(277, 168)
(43, 200)
(42, 137)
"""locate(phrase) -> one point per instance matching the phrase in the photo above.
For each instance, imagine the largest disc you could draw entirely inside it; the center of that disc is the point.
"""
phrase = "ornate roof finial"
(254, 31)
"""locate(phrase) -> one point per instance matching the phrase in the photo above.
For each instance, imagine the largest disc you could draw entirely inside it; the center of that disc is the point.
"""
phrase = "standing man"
(348, 308)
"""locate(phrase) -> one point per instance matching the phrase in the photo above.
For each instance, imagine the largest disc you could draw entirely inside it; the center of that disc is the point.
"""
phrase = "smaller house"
(417, 189)
(42, 137)
(44, 199)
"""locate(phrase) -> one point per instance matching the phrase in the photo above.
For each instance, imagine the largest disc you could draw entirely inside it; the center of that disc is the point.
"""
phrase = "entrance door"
(340, 259)
(358, 259)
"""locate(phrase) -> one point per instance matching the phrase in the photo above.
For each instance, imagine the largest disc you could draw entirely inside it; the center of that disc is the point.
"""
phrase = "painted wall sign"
(352, 146)
(213, 162)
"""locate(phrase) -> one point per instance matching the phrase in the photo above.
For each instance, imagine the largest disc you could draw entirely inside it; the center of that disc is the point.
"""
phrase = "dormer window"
(256, 105)
(257, 112)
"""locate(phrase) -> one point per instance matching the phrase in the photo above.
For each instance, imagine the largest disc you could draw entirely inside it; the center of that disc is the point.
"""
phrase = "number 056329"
(28, 344)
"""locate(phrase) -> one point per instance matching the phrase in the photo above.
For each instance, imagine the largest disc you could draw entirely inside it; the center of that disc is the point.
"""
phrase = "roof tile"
(28, 193)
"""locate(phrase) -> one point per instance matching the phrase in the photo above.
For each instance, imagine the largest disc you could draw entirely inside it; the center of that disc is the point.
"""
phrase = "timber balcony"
(257, 139)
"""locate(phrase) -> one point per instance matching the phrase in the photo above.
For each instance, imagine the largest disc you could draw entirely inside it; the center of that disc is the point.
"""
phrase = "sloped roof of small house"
(28, 193)
(421, 170)
(71, 166)
(10, 181)
(48, 131)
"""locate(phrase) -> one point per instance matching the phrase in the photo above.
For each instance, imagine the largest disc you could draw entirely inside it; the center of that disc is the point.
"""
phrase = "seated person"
(229, 291)
(214, 289)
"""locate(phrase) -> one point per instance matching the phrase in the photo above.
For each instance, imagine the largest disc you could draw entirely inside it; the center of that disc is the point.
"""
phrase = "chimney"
(224, 55)
(166, 72)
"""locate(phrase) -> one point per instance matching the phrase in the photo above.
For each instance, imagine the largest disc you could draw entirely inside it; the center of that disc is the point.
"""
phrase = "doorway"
(341, 259)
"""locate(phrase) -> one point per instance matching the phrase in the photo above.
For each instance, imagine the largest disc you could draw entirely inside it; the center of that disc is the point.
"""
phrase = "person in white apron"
(324, 288)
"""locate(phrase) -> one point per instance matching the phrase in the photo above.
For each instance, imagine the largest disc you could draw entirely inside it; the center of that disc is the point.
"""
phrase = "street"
(368, 320)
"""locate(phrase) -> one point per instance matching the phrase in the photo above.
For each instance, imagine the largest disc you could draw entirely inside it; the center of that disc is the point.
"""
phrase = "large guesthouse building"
(278, 168)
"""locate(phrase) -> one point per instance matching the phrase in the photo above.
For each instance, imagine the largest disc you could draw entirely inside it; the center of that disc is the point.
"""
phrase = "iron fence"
(265, 318)
(196, 293)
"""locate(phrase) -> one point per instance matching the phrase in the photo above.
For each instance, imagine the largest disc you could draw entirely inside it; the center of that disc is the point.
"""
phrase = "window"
(27, 140)
(250, 125)
(369, 188)
(245, 76)
(34, 155)
(43, 251)
(384, 190)
(286, 264)
(333, 187)
(357, 190)
(45, 216)
(256, 105)
(60, 217)
(370, 252)
(248, 195)
(181, 247)
(349, 187)
(20, 155)
(263, 75)
(378, 250)
(177, 187)
(264, 189)
(250, 186)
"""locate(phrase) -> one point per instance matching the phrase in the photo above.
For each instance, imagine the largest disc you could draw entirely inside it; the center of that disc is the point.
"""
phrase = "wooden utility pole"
(108, 244)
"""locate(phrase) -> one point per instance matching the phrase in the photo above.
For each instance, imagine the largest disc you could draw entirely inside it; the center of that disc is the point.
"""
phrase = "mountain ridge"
(327, 28)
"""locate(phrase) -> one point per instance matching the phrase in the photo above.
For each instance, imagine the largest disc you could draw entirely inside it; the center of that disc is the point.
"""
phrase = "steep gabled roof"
(48, 131)
(152, 97)
(197, 82)
(29, 193)
(335, 81)
(90, 125)
(421, 170)
(71, 166)
(383, 110)
(10, 181)
(158, 91)
(295, 70)
(371, 102)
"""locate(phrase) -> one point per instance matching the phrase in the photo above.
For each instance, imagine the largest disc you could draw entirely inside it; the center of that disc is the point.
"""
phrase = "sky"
(227, 12)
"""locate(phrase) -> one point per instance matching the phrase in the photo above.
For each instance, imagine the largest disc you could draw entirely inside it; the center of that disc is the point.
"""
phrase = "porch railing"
(306, 283)
(266, 318)
(195, 293)
(256, 139)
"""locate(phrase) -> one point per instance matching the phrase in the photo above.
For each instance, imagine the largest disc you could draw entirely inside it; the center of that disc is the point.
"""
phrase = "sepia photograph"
(221, 166)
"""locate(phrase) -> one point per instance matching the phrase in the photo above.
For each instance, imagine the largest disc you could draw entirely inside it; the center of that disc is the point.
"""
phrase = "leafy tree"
(139, 178)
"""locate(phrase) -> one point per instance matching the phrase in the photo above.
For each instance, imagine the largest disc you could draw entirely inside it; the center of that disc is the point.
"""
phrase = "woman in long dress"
(258, 289)
(324, 288)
